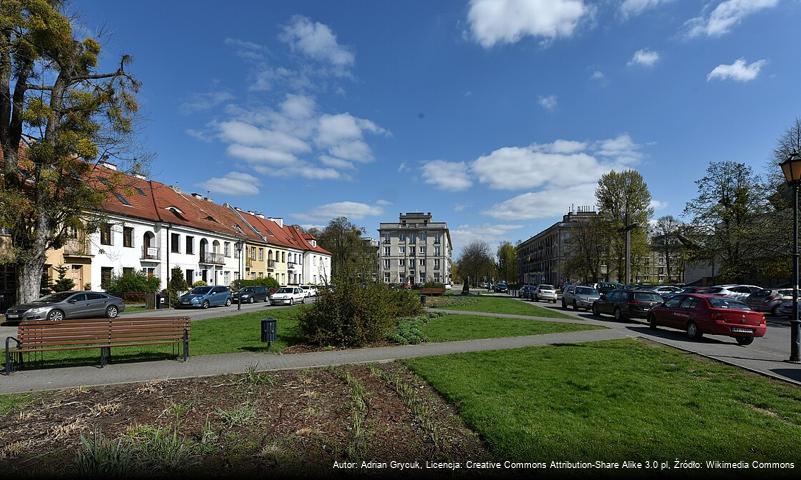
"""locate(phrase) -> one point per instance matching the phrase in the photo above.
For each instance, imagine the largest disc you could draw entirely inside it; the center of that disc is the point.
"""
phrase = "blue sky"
(494, 115)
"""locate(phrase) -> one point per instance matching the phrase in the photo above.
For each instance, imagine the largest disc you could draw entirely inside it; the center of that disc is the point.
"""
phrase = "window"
(402, 250)
(122, 199)
(386, 277)
(253, 253)
(422, 250)
(261, 254)
(386, 239)
(190, 245)
(190, 277)
(386, 251)
(412, 239)
(227, 249)
(402, 237)
(402, 262)
(105, 276)
(422, 262)
(127, 237)
(283, 257)
(175, 243)
(436, 264)
(105, 234)
(386, 263)
(690, 303)
(437, 251)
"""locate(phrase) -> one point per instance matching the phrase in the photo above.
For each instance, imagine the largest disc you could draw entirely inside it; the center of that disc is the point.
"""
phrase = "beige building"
(414, 250)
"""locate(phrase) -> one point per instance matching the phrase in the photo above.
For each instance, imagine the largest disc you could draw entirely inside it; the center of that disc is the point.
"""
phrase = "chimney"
(140, 176)
(107, 164)
(176, 188)
(278, 220)
(197, 195)
(260, 216)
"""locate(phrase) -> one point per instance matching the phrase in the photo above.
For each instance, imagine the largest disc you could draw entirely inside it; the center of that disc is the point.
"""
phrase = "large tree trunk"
(29, 268)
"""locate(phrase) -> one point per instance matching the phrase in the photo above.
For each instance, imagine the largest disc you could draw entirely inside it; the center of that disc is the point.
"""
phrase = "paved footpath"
(209, 365)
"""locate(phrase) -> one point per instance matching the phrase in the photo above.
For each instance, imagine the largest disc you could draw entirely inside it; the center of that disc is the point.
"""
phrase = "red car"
(698, 314)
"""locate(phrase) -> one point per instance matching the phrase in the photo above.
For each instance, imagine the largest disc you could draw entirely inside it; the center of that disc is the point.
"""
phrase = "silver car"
(579, 296)
(61, 305)
(544, 293)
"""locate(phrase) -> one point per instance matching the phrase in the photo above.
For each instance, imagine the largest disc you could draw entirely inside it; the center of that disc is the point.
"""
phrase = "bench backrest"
(101, 331)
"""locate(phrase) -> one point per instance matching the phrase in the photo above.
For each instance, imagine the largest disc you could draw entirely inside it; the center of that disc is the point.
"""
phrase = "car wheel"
(251, 300)
(303, 300)
(227, 302)
(55, 315)
(112, 312)
(743, 341)
(564, 305)
(652, 322)
(618, 314)
(205, 304)
(595, 311)
(575, 307)
(692, 331)
(291, 301)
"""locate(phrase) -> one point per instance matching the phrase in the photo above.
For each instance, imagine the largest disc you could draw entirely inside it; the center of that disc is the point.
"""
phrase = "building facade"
(414, 250)
(541, 258)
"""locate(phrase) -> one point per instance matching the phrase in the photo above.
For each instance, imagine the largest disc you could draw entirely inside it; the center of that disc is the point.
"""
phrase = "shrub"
(62, 284)
(433, 285)
(199, 283)
(255, 282)
(132, 283)
(409, 331)
(177, 284)
(355, 313)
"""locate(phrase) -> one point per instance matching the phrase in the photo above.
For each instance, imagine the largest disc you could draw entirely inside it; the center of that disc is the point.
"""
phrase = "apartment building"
(414, 250)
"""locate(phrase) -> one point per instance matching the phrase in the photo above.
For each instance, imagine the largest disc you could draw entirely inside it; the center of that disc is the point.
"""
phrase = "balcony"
(151, 253)
(292, 265)
(75, 247)
(270, 265)
(212, 258)
(249, 262)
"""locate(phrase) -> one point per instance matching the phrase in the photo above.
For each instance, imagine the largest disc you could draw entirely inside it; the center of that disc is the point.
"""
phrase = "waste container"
(269, 329)
(423, 299)
(161, 300)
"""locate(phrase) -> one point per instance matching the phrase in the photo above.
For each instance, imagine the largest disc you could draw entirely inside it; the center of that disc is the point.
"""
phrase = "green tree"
(507, 262)
(588, 247)
(349, 251)
(624, 202)
(729, 215)
(476, 262)
(58, 115)
(666, 241)
(62, 283)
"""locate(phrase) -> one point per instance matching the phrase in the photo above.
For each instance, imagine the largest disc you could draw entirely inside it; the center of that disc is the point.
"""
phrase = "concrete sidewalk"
(209, 365)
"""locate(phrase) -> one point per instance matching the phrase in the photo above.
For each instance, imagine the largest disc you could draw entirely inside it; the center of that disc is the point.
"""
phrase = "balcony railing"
(212, 258)
(270, 264)
(291, 265)
(151, 253)
(249, 262)
(77, 247)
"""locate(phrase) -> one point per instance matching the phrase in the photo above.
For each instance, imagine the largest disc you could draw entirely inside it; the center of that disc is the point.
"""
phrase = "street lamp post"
(239, 252)
(791, 168)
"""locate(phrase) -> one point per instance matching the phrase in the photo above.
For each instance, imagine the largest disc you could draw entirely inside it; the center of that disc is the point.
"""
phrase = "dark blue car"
(205, 297)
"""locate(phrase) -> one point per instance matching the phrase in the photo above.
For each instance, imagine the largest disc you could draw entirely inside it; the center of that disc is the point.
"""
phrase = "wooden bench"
(433, 291)
(102, 333)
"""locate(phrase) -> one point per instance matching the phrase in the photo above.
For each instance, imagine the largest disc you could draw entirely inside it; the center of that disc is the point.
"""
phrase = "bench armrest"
(9, 362)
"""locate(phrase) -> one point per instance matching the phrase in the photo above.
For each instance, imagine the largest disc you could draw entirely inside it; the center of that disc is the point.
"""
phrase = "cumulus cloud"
(493, 234)
(740, 71)
(549, 202)
(630, 8)
(315, 40)
(657, 204)
(233, 183)
(198, 102)
(451, 176)
(351, 210)
(725, 16)
(598, 75)
(644, 57)
(549, 102)
(508, 21)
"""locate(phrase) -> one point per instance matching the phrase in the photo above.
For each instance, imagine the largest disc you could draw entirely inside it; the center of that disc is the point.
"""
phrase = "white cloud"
(233, 183)
(261, 155)
(545, 203)
(343, 135)
(657, 204)
(246, 49)
(549, 102)
(508, 21)
(644, 57)
(598, 75)
(451, 176)
(247, 134)
(316, 40)
(336, 162)
(620, 149)
(630, 8)
(352, 210)
(739, 71)
(726, 16)
(198, 102)
(493, 234)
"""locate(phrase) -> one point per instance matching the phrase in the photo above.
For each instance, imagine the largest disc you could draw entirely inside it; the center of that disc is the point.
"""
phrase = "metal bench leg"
(103, 356)
(9, 361)
(186, 345)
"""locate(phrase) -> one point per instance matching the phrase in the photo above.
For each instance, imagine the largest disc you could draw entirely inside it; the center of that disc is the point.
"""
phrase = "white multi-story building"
(414, 250)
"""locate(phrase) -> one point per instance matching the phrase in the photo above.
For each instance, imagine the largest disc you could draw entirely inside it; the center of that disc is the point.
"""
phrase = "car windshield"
(248, 290)
(546, 287)
(586, 291)
(285, 290)
(728, 303)
(786, 293)
(200, 290)
(55, 297)
(647, 297)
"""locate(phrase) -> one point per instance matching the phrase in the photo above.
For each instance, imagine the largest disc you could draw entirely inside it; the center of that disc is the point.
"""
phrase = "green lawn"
(134, 309)
(618, 400)
(492, 305)
(448, 328)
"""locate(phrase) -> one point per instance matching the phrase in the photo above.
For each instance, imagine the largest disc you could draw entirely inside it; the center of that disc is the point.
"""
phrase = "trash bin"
(269, 328)
(423, 299)
(161, 300)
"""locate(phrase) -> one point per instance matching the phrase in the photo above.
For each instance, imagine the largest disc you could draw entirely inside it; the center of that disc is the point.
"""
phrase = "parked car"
(544, 293)
(251, 295)
(501, 287)
(625, 304)
(205, 297)
(606, 287)
(740, 292)
(448, 286)
(525, 291)
(309, 290)
(698, 314)
(579, 296)
(288, 296)
(58, 306)
(769, 300)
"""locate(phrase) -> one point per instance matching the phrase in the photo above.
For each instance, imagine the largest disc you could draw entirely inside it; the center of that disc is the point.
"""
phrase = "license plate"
(741, 330)
(8, 315)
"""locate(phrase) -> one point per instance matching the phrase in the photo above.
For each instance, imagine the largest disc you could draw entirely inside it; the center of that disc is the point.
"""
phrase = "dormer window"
(122, 199)
(211, 219)
(177, 212)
